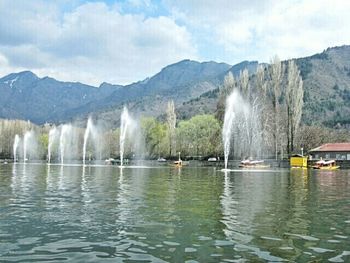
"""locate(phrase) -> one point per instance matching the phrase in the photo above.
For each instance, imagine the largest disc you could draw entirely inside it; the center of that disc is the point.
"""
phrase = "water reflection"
(245, 203)
(94, 213)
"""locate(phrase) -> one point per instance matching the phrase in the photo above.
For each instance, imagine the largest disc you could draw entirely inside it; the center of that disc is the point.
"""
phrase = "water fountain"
(242, 122)
(15, 147)
(66, 131)
(125, 122)
(89, 131)
(53, 135)
(228, 123)
(26, 142)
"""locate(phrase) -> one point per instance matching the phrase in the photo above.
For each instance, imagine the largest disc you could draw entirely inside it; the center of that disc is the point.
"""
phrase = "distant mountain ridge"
(191, 84)
(26, 96)
(326, 81)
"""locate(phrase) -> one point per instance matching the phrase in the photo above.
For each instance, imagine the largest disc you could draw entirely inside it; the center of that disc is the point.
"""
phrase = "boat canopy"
(323, 162)
(329, 162)
(252, 162)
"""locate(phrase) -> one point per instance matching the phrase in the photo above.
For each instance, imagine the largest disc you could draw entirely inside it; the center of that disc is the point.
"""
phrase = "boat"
(253, 164)
(326, 165)
(161, 160)
(212, 159)
(179, 163)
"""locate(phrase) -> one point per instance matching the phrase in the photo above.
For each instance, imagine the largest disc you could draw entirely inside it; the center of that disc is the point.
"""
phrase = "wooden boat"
(253, 164)
(326, 165)
(178, 163)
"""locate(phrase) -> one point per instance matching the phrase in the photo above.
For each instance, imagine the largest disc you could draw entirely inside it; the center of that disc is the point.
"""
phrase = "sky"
(124, 41)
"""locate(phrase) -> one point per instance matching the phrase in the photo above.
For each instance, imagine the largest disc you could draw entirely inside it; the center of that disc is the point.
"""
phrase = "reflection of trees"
(181, 208)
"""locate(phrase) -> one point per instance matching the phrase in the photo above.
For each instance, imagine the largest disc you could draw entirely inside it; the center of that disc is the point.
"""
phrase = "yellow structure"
(298, 161)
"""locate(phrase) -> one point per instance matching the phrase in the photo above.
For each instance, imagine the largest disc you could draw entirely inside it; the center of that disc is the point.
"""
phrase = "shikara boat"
(326, 165)
(253, 164)
(178, 163)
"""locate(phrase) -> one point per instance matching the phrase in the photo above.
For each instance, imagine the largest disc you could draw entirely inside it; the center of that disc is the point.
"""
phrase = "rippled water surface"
(162, 214)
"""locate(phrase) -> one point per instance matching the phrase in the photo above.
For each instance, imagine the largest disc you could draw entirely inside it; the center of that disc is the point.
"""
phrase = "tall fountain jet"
(53, 133)
(15, 147)
(65, 133)
(124, 125)
(241, 120)
(233, 105)
(26, 142)
(89, 131)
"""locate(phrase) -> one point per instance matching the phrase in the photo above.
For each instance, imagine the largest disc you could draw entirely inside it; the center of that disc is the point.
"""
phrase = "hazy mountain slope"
(326, 78)
(180, 82)
(25, 96)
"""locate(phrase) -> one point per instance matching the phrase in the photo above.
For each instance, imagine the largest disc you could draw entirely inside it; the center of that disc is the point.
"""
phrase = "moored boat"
(179, 163)
(253, 164)
(326, 165)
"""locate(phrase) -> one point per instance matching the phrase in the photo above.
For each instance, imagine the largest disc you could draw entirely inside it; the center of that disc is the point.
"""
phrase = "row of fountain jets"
(233, 106)
(63, 133)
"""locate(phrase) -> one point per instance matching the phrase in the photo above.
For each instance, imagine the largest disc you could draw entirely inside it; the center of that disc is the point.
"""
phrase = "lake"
(163, 214)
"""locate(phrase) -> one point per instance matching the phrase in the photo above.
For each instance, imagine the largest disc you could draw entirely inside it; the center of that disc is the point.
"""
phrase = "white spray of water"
(52, 138)
(228, 124)
(65, 133)
(124, 124)
(15, 147)
(236, 109)
(89, 130)
(26, 138)
(242, 121)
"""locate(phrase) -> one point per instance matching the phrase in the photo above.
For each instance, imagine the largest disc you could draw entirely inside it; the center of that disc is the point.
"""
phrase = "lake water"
(163, 214)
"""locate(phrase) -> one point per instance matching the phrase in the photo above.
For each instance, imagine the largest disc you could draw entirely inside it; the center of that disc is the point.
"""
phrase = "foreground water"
(101, 214)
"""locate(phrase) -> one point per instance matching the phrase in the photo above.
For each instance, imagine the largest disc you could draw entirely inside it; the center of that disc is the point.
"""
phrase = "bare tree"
(171, 123)
(294, 103)
(229, 85)
(244, 84)
(274, 91)
(260, 80)
(264, 105)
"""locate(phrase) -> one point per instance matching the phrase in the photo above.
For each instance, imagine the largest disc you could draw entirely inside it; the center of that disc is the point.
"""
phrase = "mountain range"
(192, 85)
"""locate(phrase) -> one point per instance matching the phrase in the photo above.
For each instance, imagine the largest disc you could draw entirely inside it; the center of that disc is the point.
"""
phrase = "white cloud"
(131, 40)
(260, 29)
(91, 43)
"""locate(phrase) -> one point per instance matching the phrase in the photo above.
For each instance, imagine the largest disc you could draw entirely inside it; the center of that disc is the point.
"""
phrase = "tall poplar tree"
(294, 103)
